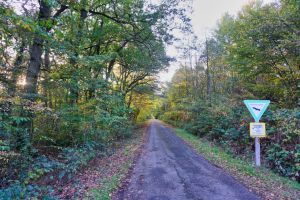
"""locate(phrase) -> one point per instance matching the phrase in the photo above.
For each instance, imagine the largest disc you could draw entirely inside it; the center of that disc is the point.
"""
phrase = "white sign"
(257, 108)
(258, 130)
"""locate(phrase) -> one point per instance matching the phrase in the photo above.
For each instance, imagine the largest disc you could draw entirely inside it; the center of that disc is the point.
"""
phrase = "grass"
(108, 185)
(261, 180)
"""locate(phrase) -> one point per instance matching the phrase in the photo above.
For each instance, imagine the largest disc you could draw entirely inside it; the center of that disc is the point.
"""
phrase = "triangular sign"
(257, 108)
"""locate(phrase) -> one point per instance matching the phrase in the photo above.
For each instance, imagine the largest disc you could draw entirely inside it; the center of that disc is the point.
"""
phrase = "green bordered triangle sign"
(257, 108)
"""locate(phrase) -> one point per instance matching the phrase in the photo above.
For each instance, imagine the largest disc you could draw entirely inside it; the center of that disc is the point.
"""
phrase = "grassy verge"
(262, 181)
(109, 185)
(118, 167)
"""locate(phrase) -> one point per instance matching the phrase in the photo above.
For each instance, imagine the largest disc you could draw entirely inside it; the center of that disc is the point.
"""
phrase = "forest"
(71, 76)
(78, 76)
(254, 55)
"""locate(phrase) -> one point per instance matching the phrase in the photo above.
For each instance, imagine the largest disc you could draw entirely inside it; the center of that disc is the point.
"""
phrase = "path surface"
(168, 169)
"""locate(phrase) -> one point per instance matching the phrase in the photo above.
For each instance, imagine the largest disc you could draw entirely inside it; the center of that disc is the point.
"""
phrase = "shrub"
(227, 123)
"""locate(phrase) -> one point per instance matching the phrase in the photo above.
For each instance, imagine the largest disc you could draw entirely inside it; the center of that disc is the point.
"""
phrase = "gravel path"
(168, 169)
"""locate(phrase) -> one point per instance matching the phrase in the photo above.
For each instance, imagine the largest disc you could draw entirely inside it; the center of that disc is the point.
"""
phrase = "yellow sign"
(258, 130)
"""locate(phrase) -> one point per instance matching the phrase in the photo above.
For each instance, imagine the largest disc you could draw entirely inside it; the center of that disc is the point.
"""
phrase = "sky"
(204, 19)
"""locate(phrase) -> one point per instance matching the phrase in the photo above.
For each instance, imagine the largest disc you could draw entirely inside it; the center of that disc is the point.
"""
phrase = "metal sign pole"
(257, 152)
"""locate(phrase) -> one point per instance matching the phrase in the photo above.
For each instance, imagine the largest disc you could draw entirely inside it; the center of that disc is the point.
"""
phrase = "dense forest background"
(72, 75)
(254, 55)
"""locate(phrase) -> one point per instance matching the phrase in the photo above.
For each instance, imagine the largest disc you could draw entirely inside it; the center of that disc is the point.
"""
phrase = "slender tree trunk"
(208, 76)
(16, 70)
(45, 83)
(186, 80)
(74, 90)
(129, 101)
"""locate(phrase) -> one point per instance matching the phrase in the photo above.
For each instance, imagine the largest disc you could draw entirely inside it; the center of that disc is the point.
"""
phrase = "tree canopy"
(254, 55)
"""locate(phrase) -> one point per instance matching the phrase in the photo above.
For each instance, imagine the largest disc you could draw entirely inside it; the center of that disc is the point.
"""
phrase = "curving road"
(168, 169)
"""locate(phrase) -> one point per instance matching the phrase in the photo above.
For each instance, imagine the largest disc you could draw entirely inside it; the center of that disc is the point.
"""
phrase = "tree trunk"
(16, 70)
(113, 61)
(208, 92)
(36, 51)
(45, 83)
(34, 68)
(74, 90)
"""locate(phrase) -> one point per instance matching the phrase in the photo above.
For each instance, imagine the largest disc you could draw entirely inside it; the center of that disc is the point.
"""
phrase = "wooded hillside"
(255, 55)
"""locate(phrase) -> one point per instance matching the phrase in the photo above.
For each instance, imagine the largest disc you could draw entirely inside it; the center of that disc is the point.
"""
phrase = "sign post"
(257, 152)
(257, 130)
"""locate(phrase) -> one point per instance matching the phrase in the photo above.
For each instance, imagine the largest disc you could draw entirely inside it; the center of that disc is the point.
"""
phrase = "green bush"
(227, 123)
(284, 162)
(101, 120)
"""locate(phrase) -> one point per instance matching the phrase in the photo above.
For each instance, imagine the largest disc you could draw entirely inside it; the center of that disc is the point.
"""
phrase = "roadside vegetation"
(262, 181)
(254, 55)
(72, 75)
(104, 174)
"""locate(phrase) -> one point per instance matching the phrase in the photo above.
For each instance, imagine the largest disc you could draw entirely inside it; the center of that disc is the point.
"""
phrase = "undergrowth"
(262, 180)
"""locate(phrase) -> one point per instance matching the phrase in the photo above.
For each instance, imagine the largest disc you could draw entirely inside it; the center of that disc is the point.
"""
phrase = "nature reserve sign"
(257, 130)
(257, 108)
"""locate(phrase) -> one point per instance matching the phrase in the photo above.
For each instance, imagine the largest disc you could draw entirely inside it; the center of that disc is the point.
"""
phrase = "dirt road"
(168, 169)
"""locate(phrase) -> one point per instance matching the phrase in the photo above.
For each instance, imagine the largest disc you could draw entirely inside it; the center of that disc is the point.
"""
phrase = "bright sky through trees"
(204, 19)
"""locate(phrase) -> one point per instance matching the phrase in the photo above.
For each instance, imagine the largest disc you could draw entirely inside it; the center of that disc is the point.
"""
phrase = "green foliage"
(283, 153)
(71, 79)
(4, 146)
(99, 120)
(244, 170)
(283, 161)
(254, 55)
(260, 46)
(13, 117)
(226, 123)
(68, 161)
